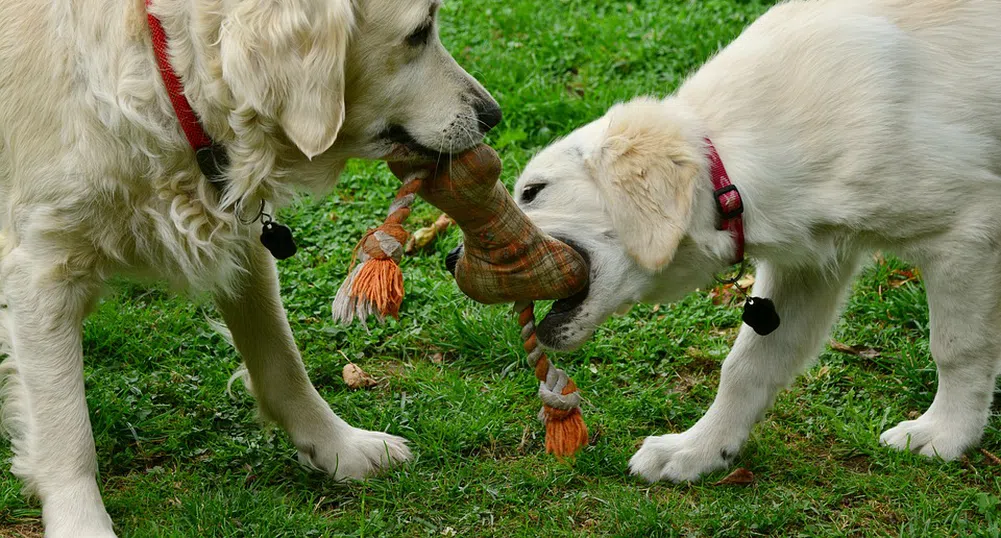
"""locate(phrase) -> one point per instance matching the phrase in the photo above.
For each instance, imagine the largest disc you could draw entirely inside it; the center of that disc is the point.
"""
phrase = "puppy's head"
(624, 191)
(352, 78)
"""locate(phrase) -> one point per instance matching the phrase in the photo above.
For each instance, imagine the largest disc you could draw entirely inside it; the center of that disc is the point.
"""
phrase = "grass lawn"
(178, 457)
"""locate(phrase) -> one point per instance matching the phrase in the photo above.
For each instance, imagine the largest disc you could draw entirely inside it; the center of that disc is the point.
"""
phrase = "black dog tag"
(278, 240)
(759, 314)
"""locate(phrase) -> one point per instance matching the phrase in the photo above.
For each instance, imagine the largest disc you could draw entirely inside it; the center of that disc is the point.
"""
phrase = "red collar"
(212, 159)
(728, 201)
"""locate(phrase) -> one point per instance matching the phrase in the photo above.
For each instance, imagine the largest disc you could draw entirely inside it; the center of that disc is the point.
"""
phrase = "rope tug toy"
(504, 258)
(374, 286)
(566, 432)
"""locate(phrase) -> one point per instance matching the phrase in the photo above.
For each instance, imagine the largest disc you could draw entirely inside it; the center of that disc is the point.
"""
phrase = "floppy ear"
(285, 59)
(646, 170)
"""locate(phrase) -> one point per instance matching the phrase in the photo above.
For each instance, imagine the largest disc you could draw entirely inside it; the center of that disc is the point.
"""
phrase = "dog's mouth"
(406, 147)
(564, 311)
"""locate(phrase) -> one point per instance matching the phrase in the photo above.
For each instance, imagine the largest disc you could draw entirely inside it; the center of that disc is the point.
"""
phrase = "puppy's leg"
(964, 298)
(261, 333)
(753, 373)
(45, 408)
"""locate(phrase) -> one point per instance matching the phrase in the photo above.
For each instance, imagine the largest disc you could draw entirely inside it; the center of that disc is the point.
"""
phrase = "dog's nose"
(489, 114)
(452, 258)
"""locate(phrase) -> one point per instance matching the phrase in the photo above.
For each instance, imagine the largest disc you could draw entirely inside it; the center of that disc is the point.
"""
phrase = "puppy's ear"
(646, 170)
(285, 59)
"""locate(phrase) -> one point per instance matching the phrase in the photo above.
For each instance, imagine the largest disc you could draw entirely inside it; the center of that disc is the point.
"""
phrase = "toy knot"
(385, 242)
(374, 286)
(566, 432)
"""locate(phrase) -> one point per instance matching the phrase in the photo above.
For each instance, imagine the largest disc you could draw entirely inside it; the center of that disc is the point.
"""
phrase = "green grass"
(180, 458)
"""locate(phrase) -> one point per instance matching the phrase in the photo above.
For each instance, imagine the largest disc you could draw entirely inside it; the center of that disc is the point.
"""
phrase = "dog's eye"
(530, 192)
(420, 36)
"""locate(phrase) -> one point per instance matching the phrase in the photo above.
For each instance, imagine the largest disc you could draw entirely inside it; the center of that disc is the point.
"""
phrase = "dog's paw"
(930, 437)
(683, 457)
(74, 509)
(357, 455)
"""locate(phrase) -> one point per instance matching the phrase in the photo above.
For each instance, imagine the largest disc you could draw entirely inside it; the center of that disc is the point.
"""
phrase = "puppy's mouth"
(551, 330)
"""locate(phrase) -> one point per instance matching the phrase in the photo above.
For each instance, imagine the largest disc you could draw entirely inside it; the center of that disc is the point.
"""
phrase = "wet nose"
(489, 114)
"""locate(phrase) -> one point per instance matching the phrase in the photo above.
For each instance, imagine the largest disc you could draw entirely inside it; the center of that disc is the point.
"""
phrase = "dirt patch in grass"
(23, 530)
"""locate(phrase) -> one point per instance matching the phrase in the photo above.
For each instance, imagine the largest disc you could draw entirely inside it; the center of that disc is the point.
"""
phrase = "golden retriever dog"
(846, 126)
(97, 179)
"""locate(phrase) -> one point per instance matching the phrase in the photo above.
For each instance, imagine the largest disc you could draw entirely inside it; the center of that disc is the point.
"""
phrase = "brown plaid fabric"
(506, 258)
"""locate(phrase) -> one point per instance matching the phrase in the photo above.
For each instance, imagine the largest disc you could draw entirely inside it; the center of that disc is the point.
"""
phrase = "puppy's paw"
(930, 437)
(357, 455)
(683, 457)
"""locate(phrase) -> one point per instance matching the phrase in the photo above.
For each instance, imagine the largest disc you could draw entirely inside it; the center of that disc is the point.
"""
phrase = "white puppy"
(847, 126)
(97, 179)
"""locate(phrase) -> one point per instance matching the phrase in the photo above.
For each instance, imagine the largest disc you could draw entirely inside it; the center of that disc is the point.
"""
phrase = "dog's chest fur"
(94, 165)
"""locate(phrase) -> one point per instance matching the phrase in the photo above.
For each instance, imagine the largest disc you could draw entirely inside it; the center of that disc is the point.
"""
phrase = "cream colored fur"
(848, 126)
(97, 179)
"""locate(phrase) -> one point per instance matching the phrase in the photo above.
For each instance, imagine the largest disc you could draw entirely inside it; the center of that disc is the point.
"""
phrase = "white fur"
(97, 179)
(848, 126)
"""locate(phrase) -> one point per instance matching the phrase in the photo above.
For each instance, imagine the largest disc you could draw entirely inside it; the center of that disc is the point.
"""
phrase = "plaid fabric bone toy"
(505, 258)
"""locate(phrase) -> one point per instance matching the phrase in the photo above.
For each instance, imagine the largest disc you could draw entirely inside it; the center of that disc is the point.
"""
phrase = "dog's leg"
(756, 369)
(45, 407)
(964, 299)
(261, 333)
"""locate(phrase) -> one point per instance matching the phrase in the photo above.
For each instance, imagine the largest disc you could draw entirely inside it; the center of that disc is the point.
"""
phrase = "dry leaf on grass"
(356, 378)
(858, 351)
(724, 294)
(730, 293)
(739, 477)
(424, 236)
(899, 277)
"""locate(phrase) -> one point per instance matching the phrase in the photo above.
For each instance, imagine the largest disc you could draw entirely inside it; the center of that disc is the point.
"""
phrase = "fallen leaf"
(424, 236)
(356, 378)
(437, 358)
(739, 477)
(858, 351)
(722, 294)
(899, 277)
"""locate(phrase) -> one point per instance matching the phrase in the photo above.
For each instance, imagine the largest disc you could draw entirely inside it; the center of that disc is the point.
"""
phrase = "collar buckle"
(729, 206)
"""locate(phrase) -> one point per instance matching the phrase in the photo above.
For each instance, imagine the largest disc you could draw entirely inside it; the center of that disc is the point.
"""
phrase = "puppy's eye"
(530, 192)
(420, 36)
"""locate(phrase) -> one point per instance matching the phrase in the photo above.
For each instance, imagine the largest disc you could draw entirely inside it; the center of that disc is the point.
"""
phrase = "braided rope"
(374, 286)
(566, 432)
(553, 382)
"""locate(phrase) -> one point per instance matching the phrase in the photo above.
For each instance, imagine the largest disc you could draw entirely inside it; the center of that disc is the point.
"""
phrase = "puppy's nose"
(452, 258)
(488, 113)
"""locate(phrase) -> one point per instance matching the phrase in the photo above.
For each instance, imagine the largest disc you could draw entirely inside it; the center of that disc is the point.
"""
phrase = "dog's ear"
(285, 59)
(645, 169)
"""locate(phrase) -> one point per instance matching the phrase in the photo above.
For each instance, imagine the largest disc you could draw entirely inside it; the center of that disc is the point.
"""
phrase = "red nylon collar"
(196, 135)
(728, 201)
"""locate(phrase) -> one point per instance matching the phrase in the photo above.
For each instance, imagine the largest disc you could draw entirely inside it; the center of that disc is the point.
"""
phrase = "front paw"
(931, 438)
(357, 455)
(683, 457)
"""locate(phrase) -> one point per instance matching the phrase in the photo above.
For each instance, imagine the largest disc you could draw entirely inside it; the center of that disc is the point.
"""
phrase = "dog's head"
(352, 78)
(630, 192)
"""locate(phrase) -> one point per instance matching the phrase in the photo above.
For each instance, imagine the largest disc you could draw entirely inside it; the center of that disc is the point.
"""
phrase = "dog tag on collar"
(760, 315)
(278, 240)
